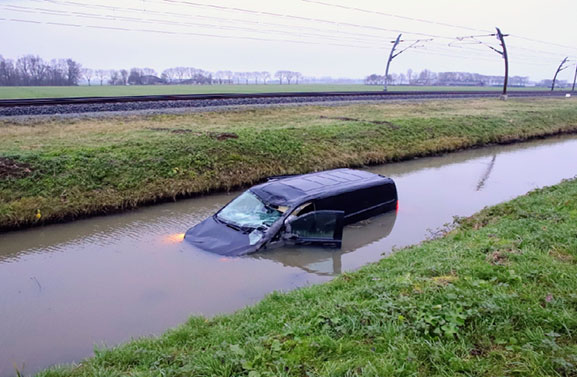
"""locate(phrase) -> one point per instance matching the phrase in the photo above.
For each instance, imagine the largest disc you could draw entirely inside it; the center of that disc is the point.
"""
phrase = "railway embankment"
(54, 170)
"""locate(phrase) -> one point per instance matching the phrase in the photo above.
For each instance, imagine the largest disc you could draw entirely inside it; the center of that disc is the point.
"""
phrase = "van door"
(317, 228)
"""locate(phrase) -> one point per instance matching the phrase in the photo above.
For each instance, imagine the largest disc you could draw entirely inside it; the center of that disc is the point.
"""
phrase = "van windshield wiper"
(240, 228)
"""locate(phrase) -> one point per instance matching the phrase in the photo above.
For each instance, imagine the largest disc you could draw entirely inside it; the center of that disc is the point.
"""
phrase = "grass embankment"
(10, 92)
(495, 297)
(54, 170)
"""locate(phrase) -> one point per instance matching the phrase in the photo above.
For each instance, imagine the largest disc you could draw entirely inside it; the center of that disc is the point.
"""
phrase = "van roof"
(293, 189)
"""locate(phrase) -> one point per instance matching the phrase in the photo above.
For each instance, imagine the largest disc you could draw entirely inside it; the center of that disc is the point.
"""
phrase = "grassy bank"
(55, 170)
(495, 297)
(9, 92)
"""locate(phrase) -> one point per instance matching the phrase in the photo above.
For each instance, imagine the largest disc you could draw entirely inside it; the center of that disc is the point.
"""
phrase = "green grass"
(69, 168)
(9, 92)
(495, 297)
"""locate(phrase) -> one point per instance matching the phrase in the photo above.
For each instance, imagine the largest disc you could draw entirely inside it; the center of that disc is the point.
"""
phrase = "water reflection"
(328, 262)
(487, 173)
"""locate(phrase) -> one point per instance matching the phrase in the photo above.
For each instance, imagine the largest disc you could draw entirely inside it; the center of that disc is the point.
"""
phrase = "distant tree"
(426, 77)
(229, 76)
(219, 77)
(8, 75)
(148, 72)
(169, 75)
(242, 77)
(289, 75)
(298, 76)
(38, 70)
(181, 73)
(74, 72)
(135, 76)
(102, 75)
(237, 77)
(410, 76)
(265, 76)
(124, 76)
(279, 75)
(375, 79)
(115, 78)
(58, 72)
(24, 68)
(402, 78)
(88, 73)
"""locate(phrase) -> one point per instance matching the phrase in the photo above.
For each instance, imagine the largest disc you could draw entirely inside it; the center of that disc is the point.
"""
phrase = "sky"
(338, 38)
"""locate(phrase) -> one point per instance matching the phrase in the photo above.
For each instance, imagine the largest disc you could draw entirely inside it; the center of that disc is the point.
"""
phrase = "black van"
(309, 209)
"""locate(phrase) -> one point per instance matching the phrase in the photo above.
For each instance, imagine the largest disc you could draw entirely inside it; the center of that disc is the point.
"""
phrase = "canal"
(67, 288)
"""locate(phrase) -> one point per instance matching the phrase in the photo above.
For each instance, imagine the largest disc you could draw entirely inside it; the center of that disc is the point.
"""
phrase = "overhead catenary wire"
(217, 19)
(574, 48)
(101, 27)
(291, 16)
(407, 18)
(218, 27)
(125, 29)
(369, 37)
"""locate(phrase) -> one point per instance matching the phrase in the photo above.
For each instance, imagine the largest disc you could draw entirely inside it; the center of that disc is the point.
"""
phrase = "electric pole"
(574, 78)
(559, 69)
(392, 55)
(503, 53)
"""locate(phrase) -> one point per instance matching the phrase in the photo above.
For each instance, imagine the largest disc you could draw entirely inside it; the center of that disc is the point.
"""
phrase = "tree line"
(429, 78)
(186, 75)
(32, 70)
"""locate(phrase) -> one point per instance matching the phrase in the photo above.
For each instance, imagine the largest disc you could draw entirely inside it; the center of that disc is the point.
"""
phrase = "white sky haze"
(338, 38)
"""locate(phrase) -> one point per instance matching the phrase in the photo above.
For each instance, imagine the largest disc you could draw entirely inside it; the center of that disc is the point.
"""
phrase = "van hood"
(217, 237)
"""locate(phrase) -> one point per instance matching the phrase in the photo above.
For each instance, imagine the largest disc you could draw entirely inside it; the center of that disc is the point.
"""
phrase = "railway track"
(52, 106)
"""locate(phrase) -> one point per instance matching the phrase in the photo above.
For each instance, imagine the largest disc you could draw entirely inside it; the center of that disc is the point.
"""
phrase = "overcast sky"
(339, 38)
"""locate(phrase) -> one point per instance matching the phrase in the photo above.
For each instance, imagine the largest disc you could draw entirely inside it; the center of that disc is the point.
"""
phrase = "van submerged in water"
(309, 209)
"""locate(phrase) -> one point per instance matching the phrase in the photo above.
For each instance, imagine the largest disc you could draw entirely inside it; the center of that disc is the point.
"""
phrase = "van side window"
(315, 225)
(303, 209)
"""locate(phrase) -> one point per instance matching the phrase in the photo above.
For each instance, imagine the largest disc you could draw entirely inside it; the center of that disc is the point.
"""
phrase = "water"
(102, 281)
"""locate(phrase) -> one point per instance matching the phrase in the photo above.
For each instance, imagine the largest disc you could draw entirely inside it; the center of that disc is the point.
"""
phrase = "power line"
(185, 24)
(182, 33)
(29, 10)
(101, 17)
(428, 21)
(219, 19)
(308, 19)
(544, 42)
(301, 18)
(392, 15)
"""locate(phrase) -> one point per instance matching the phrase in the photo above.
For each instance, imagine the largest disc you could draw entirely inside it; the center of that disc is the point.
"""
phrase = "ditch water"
(102, 281)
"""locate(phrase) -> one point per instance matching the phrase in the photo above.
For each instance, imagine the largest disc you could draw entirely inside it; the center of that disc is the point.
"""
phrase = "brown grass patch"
(562, 256)
(10, 168)
(501, 257)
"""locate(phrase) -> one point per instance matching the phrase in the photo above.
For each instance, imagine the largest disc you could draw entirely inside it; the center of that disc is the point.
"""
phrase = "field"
(7, 92)
(55, 170)
(494, 297)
